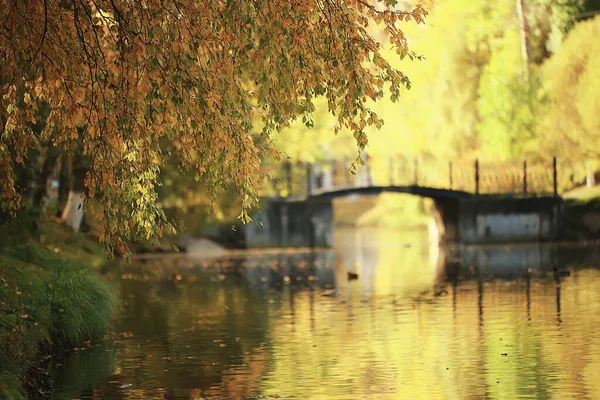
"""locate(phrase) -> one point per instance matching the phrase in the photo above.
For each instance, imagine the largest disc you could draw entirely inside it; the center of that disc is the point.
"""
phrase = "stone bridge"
(473, 202)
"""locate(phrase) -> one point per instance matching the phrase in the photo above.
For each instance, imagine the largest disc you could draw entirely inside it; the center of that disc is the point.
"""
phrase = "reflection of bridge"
(524, 204)
(433, 179)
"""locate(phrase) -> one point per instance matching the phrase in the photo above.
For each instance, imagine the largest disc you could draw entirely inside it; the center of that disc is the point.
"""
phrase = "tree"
(121, 76)
(471, 98)
(571, 126)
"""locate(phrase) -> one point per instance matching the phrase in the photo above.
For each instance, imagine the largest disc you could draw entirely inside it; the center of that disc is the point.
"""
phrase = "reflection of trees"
(81, 369)
(444, 347)
(534, 327)
(260, 325)
(515, 361)
(186, 334)
(297, 269)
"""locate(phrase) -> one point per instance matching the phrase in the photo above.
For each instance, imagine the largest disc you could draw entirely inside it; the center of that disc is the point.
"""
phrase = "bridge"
(433, 178)
(473, 202)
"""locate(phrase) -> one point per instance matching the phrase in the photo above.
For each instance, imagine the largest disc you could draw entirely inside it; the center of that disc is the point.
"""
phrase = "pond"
(382, 315)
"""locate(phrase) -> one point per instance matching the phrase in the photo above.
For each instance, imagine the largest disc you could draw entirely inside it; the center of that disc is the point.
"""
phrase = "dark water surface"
(497, 323)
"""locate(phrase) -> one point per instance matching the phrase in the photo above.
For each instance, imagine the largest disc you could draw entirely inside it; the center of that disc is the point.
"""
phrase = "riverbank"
(582, 214)
(51, 296)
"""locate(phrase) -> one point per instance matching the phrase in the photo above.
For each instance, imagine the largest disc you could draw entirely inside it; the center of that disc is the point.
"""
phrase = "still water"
(418, 323)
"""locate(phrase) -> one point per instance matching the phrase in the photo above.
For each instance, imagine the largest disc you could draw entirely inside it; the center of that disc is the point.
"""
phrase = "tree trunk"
(590, 175)
(41, 187)
(524, 33)
(64, 183)
(72, 215)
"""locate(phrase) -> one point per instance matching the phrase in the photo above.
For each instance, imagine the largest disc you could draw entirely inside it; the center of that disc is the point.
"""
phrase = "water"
(416, 324)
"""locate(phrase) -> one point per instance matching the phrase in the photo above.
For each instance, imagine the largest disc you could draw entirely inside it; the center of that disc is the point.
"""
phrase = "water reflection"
(497, 323)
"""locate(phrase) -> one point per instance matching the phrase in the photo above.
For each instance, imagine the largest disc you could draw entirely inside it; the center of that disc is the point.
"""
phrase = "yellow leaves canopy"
(122, 77)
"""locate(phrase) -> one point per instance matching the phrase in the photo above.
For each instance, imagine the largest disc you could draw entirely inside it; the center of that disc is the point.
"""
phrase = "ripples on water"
(494, 323)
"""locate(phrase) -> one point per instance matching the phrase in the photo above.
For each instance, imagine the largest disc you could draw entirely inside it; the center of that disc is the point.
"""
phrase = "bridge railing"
(298, 179)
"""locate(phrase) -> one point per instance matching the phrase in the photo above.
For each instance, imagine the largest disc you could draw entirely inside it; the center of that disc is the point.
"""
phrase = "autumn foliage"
(117, 78)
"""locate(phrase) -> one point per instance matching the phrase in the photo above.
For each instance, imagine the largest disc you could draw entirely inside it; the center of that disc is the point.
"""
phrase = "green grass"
(51, 296)
(583, 193)
(587, 197)
(10, 387)
(581, 206)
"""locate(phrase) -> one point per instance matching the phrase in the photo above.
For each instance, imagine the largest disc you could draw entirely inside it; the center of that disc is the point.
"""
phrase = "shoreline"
(52, 297)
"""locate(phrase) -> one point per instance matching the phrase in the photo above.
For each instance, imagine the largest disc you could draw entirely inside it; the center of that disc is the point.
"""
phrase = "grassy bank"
(582, 214)
(51, 296)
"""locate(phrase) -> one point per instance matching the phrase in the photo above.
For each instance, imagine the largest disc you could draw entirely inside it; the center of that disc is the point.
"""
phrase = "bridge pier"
(282, 223)
(444, 221)
(488, 220)
(504, 220)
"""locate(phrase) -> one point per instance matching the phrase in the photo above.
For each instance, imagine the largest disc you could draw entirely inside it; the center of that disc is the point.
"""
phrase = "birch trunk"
(72, 215)
(590, 175)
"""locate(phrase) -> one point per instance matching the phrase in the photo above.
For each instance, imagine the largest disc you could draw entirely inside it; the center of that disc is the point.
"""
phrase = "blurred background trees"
(470, 96)
(479, 94)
